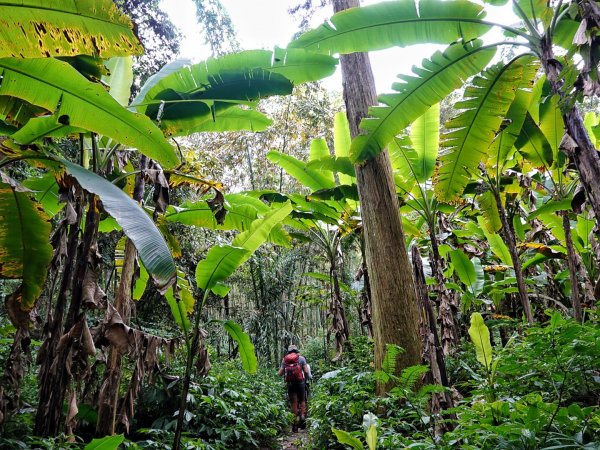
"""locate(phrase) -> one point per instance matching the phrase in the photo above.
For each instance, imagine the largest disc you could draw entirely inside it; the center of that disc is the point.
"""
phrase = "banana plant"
(220, 262)
(543, 28)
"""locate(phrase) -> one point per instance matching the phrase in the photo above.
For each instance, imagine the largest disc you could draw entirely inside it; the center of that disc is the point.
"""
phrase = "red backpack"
(293, 369)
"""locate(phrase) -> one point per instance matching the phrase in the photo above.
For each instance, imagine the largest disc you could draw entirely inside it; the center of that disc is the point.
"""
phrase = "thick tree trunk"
(394, 302)
(511, 243)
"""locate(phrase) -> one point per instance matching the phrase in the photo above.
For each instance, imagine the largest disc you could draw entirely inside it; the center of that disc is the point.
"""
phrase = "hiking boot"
(302, 422)
(294, 427)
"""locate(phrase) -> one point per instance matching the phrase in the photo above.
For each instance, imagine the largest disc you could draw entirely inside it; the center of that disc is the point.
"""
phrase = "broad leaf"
(182, 304)
(39, 128)
(35, 29)
(392, 24)
(341, 144)
(232, 119)
(222, 261)
(120, 78)
(515, 117)
(590, 121)
(416, 93)
(60, 89)
(346, 438)
(319, 151)
(480, 336)
(485, 104)
(241, 209)
(533, 145)
(245, 346)
(136, 224)
(425, 135)
(311, 178)
(496, 243)
(466, 271)
(105, 443)
(45, 190)
(24, 241)
(340, 165)
(551, 123)
(193, 94)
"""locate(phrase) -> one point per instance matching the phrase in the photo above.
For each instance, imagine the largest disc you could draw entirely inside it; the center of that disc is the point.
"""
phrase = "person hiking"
(296, 372)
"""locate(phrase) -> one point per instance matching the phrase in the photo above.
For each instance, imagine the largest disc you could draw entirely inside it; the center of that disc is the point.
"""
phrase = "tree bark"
(395, 309)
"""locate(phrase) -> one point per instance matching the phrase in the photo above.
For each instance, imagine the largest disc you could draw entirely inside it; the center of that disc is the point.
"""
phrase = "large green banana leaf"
(60, 89)
(39, 128)
(311, 178)
(341, 144)
(468, 273)
(25, 251)
(232, 119)
(192, 95)
(40, 28)
(425, 138)
(399, 23)
(485, 105)
(222, 260)
(480, 336)
(183, 306)
(120, 78)
(438, 77)
(552, 124)
(242, 210)
(501, 148)
(45, 190)
(533, 145)
(136, 224)
(246, 348)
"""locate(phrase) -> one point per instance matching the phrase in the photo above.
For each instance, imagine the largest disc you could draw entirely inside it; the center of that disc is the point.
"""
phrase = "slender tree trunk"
(511, 243)
(572, 262)
(395, 308)
(339, 323)
(366, 308)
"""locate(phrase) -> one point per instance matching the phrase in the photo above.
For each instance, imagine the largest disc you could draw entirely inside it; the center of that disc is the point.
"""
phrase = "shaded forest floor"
(294, 441)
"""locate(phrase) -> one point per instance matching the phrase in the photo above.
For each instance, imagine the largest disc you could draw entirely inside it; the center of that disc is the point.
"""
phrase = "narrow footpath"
(294, 441)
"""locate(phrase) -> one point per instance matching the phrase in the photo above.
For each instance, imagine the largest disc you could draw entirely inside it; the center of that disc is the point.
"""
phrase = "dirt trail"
(294, 441)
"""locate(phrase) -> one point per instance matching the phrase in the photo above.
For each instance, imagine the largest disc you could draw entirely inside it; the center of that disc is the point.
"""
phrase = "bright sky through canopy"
(266, 23)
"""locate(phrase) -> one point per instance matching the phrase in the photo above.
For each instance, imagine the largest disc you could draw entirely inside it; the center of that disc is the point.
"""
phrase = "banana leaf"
(480, 336)
(438, 77)
(42, 28)
(400, 23)
(60, 89)
(136, 224)
(25, 251)
(470, 134)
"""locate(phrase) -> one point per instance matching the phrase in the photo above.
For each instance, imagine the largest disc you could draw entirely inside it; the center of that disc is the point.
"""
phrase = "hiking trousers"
(297, 396)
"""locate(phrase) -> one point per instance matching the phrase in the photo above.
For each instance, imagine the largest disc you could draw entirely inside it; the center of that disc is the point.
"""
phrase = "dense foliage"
(158, 254)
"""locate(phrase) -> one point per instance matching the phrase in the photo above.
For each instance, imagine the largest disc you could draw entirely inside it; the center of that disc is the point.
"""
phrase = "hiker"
(296, 372)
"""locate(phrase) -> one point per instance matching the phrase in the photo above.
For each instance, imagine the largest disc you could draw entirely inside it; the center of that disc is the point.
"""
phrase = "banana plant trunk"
(578, 145)
(54, 375)
(108, 399)
(447, 307)
(511, 243)
(573, 271)
(394, 301)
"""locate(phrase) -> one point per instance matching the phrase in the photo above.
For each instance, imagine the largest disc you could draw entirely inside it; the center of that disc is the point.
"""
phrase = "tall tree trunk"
(395, 308)
(511, 243)
(339, 323)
